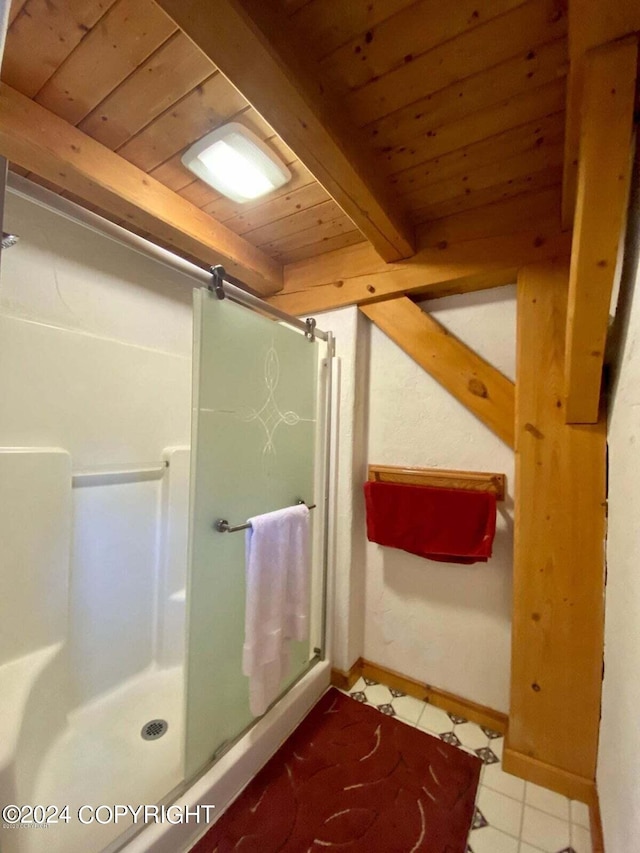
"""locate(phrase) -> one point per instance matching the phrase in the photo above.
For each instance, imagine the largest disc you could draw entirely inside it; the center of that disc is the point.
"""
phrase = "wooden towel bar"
(481, 481)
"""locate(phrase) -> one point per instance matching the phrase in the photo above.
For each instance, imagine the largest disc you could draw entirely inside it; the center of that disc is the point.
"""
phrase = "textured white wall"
(95, 358)
(444, 624)
(619, 754)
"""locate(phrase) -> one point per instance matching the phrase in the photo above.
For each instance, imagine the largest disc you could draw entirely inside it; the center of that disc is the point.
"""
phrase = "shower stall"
(128, 474)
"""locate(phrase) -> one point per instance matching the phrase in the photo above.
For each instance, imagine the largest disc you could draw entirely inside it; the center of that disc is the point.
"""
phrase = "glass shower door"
(258, 430)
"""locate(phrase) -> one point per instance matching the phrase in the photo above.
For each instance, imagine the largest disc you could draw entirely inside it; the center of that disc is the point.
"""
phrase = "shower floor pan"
(96, 756)
(220, 785)
(100, 758)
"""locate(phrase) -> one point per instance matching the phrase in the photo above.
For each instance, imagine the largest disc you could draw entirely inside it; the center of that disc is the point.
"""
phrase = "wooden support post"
(603, 187)
(557, 647)
(474, 382)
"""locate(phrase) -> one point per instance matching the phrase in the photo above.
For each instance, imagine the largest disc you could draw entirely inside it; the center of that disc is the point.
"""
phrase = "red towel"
(450, 525)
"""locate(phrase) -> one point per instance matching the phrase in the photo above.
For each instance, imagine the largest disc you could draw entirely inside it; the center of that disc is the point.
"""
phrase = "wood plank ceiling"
(461, 104)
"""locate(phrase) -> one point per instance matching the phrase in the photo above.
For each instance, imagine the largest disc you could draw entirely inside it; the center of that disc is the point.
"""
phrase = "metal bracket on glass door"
(310, 334)
(217, 281)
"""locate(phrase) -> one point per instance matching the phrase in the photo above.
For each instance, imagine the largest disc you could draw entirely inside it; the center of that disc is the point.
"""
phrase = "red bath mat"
(352, 779)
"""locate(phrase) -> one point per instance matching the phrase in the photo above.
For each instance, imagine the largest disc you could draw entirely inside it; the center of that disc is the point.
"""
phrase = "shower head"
(9, 240)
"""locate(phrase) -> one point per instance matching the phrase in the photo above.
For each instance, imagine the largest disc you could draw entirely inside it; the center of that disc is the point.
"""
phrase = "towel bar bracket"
(223, 526)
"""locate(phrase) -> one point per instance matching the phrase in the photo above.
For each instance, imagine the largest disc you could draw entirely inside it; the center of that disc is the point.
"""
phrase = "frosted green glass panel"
(255, 430)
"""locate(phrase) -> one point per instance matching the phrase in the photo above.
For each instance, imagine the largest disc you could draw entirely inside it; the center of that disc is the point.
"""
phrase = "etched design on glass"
(269, 415)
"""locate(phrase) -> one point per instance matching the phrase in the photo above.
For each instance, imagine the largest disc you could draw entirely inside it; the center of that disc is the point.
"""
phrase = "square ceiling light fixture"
(235, 162)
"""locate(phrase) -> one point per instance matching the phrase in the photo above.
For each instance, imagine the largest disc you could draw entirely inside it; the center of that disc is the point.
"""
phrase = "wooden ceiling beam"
(475, 383)
(39, 141)
(591, 23)
(530, 211)
(604, 175)
(253, 46)
(435, 271)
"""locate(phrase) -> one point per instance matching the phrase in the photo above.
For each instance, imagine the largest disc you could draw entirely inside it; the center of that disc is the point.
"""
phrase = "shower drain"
(154, 729)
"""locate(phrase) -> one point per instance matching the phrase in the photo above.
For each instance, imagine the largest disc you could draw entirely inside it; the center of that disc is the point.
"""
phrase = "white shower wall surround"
(104, 355)
(95, 377)
(95, 372)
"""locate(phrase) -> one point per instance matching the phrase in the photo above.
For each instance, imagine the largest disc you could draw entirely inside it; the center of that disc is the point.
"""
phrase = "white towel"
(277, 602)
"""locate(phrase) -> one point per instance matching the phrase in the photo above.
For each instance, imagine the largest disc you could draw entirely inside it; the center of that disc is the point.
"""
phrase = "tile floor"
(512, 816)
